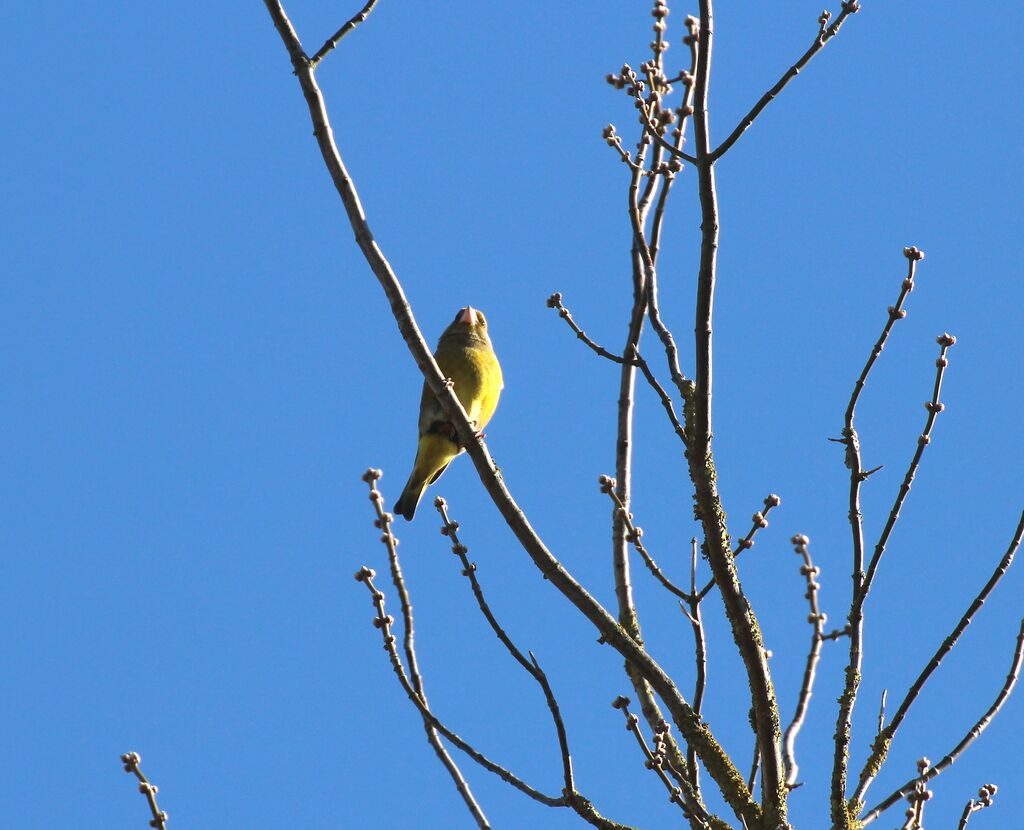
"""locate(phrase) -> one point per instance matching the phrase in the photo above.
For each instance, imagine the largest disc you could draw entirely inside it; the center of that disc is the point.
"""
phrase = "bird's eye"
(482, 319)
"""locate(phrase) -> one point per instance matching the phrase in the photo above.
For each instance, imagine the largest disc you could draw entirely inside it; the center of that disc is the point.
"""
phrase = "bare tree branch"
(742, 619)
(825, 34)
(335, 39)
(760, 520)
(972, 735)
(700, 656)
(934, 407)
(883, 741)
(684, 797)
(383, 523)
(817, 619)
(384, 622)
(841, 813)
(131, 761)
(659, 179)
(555, 302)
(985, 795)
(450, 529)
(634, 535)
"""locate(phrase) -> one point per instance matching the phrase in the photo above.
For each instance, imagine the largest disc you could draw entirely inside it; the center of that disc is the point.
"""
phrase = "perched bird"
(467, 358)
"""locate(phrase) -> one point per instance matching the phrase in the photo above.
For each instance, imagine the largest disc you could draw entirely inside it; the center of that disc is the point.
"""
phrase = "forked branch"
(883, 740)
(972, 735)
(450, 529)
(826, 32)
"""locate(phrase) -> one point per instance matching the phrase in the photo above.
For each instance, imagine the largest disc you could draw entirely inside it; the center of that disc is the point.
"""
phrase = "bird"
(466, 357)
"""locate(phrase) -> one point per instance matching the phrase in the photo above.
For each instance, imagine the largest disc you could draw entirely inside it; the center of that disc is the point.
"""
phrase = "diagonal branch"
(934, 407)
(825, 34)
(760, 520)
(714, 757)
(882, 743)
(132, 761)
(451, 529)
(972, 735)
(657, 761)
(384, 621)
(634, 535)
(555, 302)
(335, 39)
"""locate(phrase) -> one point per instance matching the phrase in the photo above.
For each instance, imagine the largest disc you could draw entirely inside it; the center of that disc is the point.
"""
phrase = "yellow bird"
(467, 358)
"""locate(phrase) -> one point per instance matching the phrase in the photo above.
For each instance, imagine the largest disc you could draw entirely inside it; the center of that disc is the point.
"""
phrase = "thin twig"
(555, 302)
(634, 535)
(383, 523)
(657, 762)
(450, 529)
(755, 766)
(817, 619)
(841, 817)
(712, 755)
(985, 795)
(131, 761)
(825, 34)
(335, 39)
(972, 735)
(759, 521)
(384, 621)
(934, 407)
(884, 737)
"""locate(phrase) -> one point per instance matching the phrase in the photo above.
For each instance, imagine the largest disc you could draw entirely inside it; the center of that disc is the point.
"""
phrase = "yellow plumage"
(465, 356)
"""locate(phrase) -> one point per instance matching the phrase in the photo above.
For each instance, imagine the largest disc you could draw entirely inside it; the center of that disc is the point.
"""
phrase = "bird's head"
(468, 321)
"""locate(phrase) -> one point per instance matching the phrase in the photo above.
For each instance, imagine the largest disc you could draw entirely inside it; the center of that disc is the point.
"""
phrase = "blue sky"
(197, 367)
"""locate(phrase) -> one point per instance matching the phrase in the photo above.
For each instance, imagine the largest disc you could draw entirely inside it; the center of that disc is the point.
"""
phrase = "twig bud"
(912, 253)
(946, 340)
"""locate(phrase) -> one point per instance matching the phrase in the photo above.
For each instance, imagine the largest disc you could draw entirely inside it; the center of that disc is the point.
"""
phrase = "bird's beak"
(468, 316)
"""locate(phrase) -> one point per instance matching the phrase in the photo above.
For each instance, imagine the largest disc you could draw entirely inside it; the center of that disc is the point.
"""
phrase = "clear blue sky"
(197, 367)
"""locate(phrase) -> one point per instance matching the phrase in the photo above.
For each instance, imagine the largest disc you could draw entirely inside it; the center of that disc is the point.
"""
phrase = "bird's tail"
(432, 458)
(410, 499)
